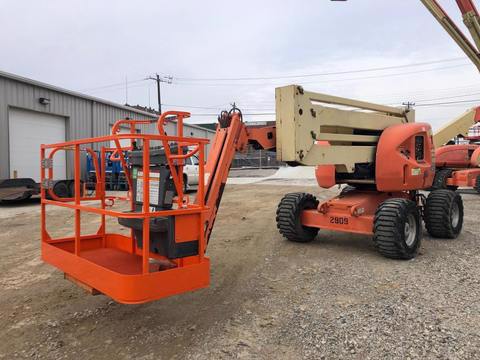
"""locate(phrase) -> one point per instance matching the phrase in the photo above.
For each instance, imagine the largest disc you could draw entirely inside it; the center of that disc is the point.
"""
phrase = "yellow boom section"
(458, 126)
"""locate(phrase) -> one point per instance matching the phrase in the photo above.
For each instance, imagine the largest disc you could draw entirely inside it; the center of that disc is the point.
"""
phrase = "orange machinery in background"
(457, 166)
(164, 254)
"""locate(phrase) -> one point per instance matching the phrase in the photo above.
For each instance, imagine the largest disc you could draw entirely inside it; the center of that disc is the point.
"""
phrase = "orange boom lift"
(383, 156)
(169, 232)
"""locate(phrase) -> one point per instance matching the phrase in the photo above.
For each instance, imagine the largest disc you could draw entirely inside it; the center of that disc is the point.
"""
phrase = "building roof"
(28, 81)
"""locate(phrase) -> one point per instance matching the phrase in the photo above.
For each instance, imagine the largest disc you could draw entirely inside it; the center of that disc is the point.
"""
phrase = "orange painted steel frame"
(112, 263)
(464, 178)
(350, 212)
(398, 174)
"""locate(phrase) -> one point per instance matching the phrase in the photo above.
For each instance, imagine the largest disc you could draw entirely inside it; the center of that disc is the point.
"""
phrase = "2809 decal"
(338, 220)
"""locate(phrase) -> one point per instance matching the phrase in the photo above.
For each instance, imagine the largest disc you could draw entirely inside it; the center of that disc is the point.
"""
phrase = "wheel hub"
(410, 230)
(455, 215)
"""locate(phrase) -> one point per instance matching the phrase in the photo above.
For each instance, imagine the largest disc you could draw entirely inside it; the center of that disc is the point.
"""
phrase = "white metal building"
(32, 113)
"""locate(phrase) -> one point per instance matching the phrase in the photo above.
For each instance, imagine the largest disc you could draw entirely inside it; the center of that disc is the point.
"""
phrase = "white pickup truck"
(190, 173)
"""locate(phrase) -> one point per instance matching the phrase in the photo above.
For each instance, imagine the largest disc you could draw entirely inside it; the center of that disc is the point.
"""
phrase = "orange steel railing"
(81, 203)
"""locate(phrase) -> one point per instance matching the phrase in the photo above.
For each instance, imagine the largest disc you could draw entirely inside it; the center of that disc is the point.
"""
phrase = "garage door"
(27, 131)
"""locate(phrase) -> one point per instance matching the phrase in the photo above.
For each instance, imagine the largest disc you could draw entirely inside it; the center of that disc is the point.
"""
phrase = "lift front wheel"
(444, 214)
(289, 212)
(397, 229)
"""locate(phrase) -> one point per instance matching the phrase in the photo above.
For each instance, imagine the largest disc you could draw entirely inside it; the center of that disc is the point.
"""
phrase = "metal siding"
(4, 156)
(85, 117)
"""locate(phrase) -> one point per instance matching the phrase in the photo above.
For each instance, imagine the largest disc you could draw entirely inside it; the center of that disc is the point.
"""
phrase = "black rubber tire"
(288, 217)
(60, 189)
(477, 184)
(440, 180)
(440, 212)
(389, 226)
(71, 188)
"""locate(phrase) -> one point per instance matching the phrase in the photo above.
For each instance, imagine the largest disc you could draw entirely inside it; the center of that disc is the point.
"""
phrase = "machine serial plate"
(154, 187)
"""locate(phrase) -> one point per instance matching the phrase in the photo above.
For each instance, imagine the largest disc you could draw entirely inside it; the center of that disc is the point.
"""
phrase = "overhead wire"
(174, 82)
(122, 84)
(324, 73)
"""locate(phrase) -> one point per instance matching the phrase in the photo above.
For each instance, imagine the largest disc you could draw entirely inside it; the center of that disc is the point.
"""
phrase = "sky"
(220, 52)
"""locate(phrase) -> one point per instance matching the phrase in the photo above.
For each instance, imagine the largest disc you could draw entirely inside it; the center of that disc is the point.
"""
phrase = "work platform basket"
(124, 267)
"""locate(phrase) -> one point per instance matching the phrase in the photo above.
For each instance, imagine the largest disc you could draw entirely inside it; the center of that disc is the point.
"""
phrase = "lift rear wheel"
(444, 214)
(440, 180)
(289, 217)
(397, 230)
(477, 184)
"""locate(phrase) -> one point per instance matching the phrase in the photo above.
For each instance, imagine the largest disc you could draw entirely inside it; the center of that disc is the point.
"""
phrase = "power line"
(122, 84)
(451, 102)
(182, 81)
(324, 81)
(394, 96)
(118, 88)
(450, 97)
(196, 107)
(323, 74)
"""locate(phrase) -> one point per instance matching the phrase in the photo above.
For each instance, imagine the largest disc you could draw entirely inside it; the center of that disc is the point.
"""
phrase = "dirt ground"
(269, 298)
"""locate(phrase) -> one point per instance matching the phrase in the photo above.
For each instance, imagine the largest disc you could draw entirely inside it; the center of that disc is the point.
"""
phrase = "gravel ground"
(254, 173)
(334, 298)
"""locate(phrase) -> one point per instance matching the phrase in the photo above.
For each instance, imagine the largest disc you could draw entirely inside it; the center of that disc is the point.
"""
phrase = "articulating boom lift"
(384, 157)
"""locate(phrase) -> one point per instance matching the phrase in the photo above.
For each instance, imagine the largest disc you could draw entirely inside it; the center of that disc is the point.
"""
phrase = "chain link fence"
(260, 159)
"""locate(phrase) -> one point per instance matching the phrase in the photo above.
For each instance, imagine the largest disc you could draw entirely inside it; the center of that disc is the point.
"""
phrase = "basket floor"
(117, 260)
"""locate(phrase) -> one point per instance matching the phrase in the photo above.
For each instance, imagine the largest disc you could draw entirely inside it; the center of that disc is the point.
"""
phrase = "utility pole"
(158, 80)
(409, 105)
